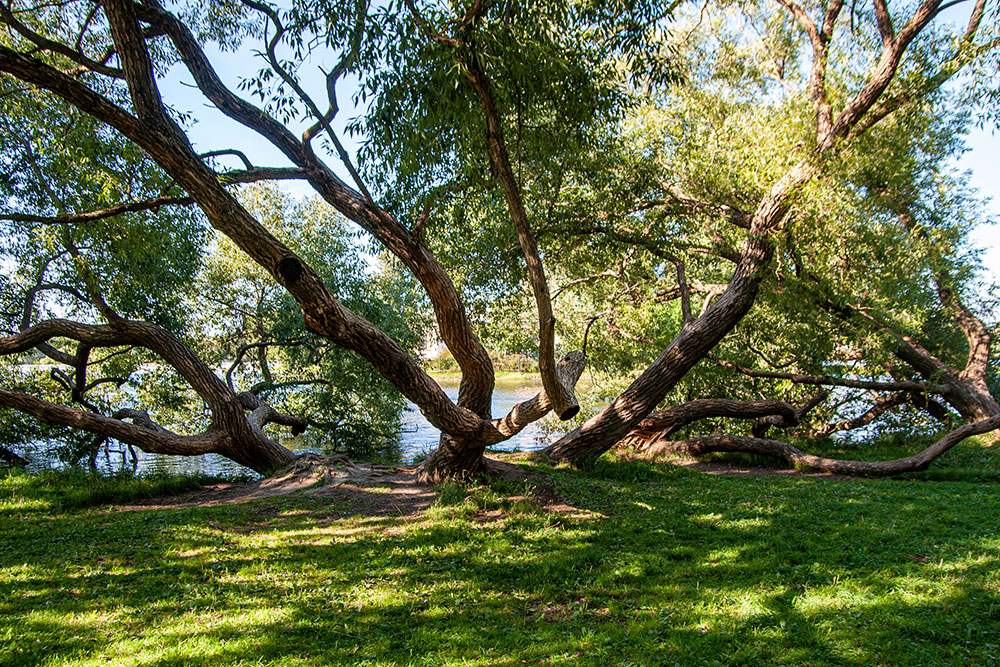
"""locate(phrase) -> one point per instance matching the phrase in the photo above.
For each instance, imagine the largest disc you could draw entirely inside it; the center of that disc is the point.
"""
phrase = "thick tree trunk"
(454, 460)
(695, 340)
(661, 425)
(966, 393)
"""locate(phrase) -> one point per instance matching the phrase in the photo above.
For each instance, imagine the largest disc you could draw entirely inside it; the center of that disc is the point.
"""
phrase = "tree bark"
(795, 456)
(230, 433)
(664, 423)
(602, 431)
(457, 459)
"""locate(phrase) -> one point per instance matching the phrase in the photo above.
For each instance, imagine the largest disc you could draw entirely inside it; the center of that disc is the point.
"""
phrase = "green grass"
(656, 566)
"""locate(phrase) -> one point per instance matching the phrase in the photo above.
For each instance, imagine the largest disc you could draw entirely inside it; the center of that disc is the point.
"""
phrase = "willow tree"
(872, 274)
(506, 105)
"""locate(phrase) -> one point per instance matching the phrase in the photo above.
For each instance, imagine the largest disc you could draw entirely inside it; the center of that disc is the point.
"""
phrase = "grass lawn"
(651, 565)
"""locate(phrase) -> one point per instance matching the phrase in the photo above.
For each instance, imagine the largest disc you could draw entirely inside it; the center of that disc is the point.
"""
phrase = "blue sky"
(983, 163)
(213, 131)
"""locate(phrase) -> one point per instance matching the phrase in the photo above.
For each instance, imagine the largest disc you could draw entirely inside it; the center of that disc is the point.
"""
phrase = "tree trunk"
(695, 340)
(664, 423)
(454, 460)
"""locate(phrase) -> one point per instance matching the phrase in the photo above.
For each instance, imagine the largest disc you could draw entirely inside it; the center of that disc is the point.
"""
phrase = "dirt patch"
(360, 489)
(369, 489)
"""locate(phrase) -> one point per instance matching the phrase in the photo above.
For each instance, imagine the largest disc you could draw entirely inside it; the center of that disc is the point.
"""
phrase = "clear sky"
(213, 131)
(983, 162)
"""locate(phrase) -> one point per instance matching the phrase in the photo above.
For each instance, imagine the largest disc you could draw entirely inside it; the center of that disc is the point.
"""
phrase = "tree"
(252, 327)
(484, 122)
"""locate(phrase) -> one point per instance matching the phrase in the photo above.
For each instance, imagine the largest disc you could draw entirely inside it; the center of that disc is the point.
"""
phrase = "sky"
(983, 163)
(214, 131)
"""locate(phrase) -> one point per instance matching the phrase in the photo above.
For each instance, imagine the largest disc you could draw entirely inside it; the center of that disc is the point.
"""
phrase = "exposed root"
(313, 471)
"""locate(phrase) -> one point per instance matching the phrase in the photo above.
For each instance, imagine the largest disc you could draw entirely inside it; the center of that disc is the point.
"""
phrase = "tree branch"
(796, 457)
(832, 381)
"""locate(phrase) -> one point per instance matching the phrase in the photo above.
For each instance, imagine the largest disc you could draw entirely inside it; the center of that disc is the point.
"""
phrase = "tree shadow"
(660, 567)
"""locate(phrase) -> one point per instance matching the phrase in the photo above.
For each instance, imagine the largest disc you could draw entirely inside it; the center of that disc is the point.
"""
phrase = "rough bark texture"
(694, 341)
(230, 434)
(662, 424)
(454, 458)
(795, 456)
(467, 426)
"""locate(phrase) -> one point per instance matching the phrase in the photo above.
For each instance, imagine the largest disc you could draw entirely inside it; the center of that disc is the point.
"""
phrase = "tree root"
(313, 471)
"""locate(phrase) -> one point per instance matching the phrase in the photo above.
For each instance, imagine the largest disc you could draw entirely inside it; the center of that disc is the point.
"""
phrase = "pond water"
(417, 437)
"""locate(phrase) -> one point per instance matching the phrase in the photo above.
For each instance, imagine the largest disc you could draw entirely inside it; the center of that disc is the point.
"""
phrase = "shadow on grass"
(671, 567)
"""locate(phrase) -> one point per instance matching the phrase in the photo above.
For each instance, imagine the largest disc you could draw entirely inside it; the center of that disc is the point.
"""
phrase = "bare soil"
(370, 489)
(377, 490)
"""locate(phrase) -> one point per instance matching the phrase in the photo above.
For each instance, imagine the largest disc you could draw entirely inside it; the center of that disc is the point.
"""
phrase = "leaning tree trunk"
(695, 340)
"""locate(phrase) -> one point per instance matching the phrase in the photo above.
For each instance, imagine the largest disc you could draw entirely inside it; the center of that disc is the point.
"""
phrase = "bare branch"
(881, 406)
(45, 44)
(256, 346)
(101, 214)
(322, 119)
(230, 151)
(832, 381)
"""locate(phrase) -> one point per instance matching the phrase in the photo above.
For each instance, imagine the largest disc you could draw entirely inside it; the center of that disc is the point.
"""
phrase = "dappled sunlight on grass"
(661, 566)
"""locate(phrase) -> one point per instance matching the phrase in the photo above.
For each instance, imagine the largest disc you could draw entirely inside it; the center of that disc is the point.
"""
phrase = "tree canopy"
(741, 210)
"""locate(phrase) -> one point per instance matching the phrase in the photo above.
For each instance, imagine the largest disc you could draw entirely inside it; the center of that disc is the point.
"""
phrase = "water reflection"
(417, 438)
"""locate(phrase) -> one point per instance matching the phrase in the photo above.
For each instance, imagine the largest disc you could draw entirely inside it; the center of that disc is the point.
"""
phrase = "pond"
(417, 436)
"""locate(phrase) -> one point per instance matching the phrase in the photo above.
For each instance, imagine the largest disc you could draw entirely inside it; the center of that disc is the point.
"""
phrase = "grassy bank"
(652, 565)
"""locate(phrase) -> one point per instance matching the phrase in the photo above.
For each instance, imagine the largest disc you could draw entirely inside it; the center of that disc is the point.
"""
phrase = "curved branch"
(100, 214)
(142, 437)
(881, 406)
(796, 457)
(661, 425)
(46, 44)
(323, 120)
(832, 381)
(261, 413)
(568, 370)
(256, 346)
(564, 402)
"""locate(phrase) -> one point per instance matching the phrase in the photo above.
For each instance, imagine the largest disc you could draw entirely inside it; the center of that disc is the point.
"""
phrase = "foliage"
(350, 407)
(648, 148)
